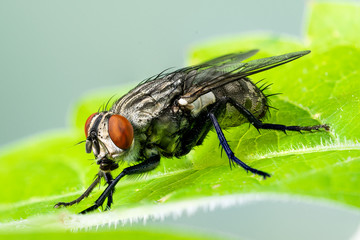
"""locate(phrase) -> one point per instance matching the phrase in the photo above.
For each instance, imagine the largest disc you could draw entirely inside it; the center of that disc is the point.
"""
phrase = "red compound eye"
(87, 123)
(121, 131)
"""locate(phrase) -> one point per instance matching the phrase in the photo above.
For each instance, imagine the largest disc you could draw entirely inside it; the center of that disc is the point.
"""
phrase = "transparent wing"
(228, 68)
(147, 100)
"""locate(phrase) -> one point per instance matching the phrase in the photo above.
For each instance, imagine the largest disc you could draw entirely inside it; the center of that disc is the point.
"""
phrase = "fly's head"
(108, 135)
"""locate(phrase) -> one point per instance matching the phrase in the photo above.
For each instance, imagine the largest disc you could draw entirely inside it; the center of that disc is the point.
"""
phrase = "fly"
(171, 113)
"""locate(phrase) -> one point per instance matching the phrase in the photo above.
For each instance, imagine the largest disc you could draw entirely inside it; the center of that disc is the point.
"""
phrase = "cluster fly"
(169, 114)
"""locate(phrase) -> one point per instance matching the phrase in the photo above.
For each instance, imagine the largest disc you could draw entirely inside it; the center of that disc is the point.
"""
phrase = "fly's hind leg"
(260, 125)
(229, 152)
(84, 195)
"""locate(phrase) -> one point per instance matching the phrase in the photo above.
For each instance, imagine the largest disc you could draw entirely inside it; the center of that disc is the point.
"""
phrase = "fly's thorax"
(148, 100)
(109, 135)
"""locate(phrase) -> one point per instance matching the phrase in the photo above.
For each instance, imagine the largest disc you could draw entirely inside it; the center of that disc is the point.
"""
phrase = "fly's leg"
(108, 178)
(145, 166)
(84, 195)
(260, 125)
(229, 152)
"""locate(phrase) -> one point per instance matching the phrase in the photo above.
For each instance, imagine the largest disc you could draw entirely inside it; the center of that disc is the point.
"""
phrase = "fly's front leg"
(145, 166)
(229, 152)
(260, 125)
(84, 195)
(108, 178)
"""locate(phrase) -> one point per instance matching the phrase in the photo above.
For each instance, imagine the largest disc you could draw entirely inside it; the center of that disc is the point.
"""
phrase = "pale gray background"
(52, 52)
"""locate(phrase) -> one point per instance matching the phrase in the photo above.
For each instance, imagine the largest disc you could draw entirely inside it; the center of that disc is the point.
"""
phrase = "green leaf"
(332, 25)
(321, 87)
(128, 234)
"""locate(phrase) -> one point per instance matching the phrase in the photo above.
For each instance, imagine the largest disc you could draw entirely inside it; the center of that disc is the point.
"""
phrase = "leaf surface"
(321, 87)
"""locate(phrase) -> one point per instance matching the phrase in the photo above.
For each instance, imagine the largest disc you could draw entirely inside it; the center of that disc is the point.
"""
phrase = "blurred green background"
(53, 52)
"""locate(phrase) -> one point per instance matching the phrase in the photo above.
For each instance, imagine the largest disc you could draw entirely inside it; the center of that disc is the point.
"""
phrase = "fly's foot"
(260, 173)
(90, 209)
(248, 168)
(99, 203)
(284, 128)
(64, 204)
(316, 127)
(84, 195)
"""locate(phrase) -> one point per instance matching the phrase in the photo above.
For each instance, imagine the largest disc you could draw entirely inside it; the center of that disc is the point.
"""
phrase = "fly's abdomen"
(244, 92)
